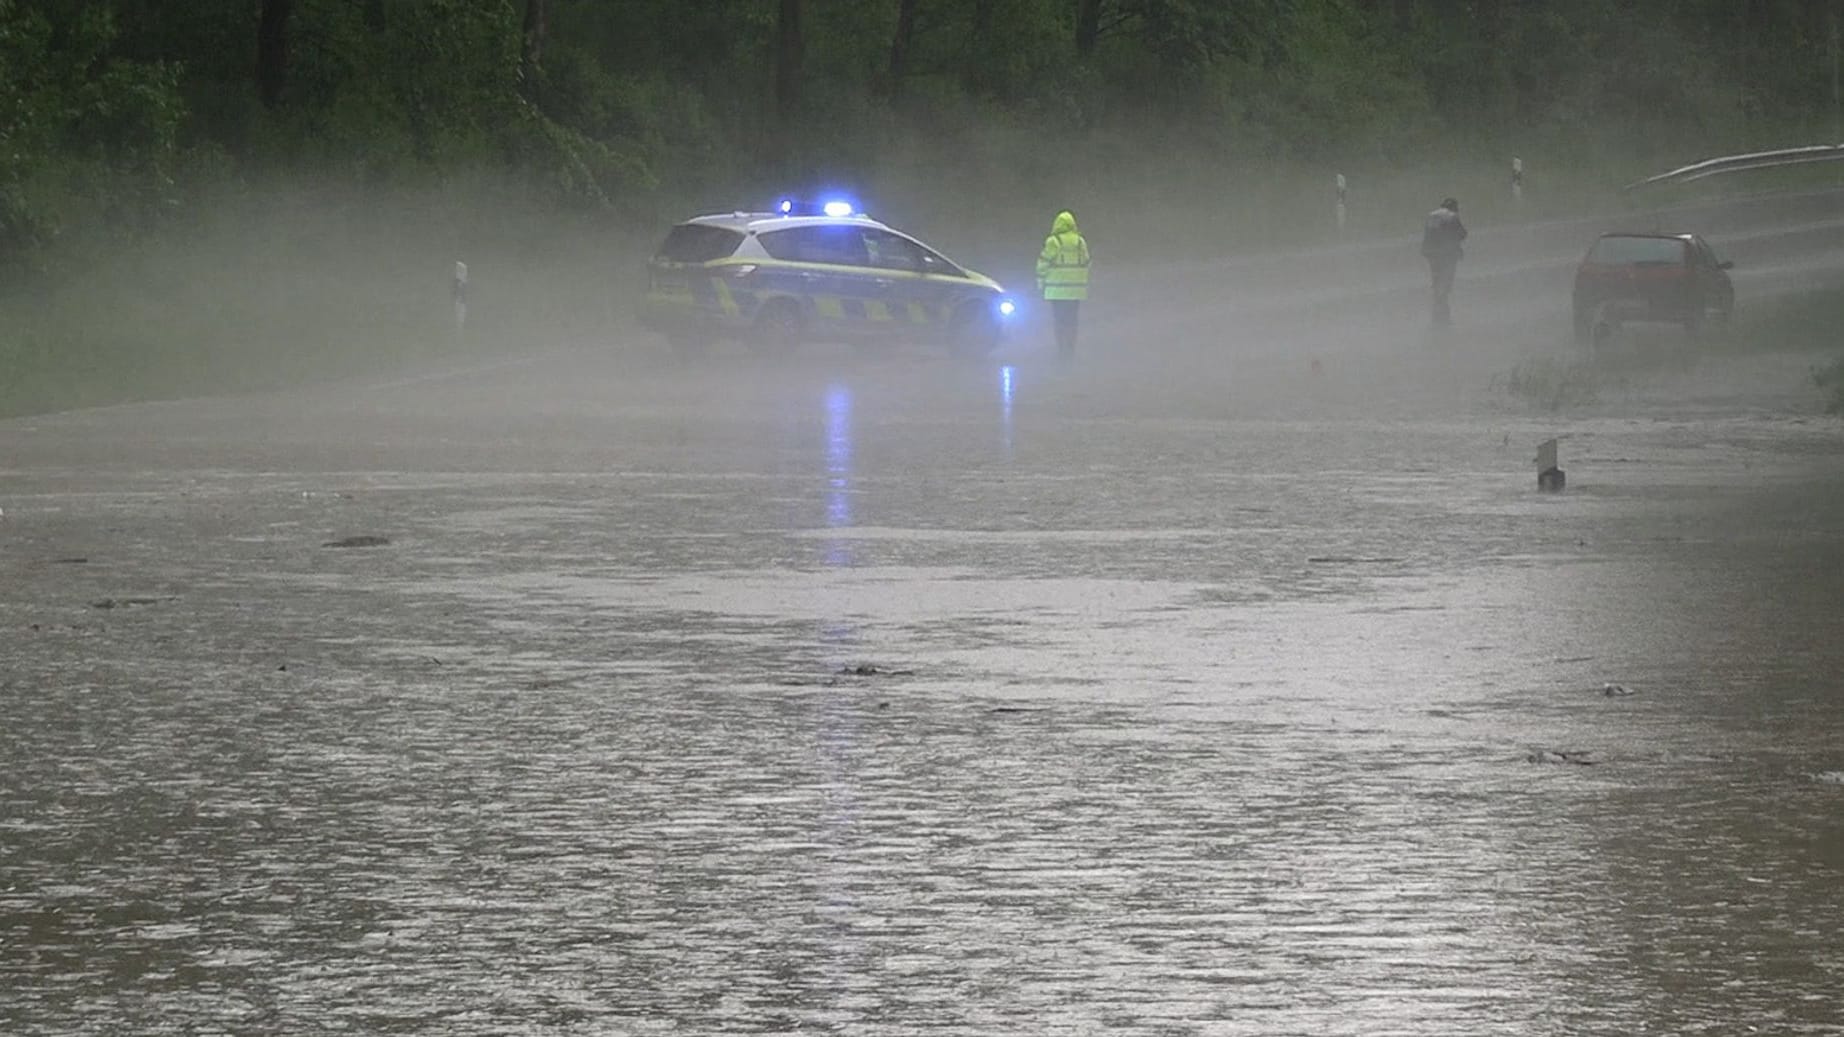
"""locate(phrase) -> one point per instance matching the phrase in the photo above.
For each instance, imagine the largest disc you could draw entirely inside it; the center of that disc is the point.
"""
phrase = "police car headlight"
(1007, 308)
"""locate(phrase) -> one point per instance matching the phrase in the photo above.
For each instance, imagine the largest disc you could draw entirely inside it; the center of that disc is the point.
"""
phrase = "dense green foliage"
(650, 102)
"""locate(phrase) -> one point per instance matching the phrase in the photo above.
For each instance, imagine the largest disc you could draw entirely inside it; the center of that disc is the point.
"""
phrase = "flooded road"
(1178, 693)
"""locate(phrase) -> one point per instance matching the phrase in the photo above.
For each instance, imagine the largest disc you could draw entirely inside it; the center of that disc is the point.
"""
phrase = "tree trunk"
(1088, 26)
(272, 51)
(531, 52)
(787, 64)
(899, 44)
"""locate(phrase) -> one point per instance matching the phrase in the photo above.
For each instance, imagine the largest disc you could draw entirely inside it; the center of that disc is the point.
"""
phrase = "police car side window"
(935, 264)
(892, 252)
(780, 244)
(840, 246)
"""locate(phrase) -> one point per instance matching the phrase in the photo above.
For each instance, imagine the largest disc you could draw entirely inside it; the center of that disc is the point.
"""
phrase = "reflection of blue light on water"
(838, 469)
(839, 454)
(1007, 376)
(839, 429)
(839, 733)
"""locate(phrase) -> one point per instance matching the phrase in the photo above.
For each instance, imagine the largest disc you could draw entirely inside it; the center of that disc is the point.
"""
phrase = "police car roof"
(760, 221)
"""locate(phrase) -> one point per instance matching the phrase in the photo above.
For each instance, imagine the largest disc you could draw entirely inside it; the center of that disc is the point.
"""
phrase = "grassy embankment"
(264, 290)
(1806, 323)
(1812, 322)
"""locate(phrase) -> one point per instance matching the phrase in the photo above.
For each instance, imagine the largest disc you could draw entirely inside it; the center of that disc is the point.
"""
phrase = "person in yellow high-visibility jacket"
(1062, 277)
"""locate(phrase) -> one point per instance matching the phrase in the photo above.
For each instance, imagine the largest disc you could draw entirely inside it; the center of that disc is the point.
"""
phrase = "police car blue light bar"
(837, 208)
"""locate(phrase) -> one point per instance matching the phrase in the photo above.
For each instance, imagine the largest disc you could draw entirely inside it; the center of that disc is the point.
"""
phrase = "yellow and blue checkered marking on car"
(838, 295)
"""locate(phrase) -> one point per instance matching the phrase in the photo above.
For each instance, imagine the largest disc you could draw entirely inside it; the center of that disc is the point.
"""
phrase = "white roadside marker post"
(460, 295)
(1339, 209)
(1549, 477)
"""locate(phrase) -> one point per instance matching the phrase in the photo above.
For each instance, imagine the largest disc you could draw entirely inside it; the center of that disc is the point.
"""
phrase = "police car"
(778, 279)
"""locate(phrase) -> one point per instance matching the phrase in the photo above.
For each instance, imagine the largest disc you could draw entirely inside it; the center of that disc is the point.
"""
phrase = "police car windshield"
(698, 243)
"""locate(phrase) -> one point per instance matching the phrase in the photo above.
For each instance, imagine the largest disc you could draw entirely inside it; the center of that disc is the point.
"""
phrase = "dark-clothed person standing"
(1062, 278)
(1441, 235)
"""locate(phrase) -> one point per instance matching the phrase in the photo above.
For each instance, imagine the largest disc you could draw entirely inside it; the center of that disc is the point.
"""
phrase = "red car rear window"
(1617, 251)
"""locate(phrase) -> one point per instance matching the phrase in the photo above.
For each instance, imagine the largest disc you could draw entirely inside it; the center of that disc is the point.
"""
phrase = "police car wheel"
(974, 333)
(778, 327)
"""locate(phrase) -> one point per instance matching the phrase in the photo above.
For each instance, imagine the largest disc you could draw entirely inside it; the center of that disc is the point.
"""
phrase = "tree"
(900, 43)
(1088, 26)
(788, 58)
(272, 51)
(531, 51)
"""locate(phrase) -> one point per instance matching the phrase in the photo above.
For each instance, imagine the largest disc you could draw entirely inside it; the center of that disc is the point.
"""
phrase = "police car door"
(834, 277)
(903, 299)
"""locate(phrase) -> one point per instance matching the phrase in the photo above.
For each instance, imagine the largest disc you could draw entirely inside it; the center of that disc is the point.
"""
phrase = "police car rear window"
(1617, 250)
(698, 243)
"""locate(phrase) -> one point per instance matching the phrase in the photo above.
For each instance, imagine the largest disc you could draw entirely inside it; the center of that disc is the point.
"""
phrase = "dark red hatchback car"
(1667, 278)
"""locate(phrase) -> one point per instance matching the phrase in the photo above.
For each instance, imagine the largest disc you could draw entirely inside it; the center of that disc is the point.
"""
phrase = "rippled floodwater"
(906, 700)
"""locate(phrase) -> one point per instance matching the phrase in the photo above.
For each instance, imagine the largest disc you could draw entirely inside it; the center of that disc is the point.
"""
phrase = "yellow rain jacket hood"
(1062, 267)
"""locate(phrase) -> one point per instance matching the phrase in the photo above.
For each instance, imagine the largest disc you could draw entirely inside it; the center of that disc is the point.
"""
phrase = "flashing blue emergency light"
(837, 207)
(1007, 308)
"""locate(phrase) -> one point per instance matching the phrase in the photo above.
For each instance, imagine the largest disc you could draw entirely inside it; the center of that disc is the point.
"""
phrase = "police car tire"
(778, 327)
(974, 333)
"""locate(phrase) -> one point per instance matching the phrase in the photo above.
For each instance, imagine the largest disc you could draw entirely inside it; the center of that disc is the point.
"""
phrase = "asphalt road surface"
(1233, 680)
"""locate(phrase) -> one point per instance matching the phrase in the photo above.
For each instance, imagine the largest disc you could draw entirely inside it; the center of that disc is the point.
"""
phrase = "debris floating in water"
(841, 676)
(1576, 757)
(1612, 690)
(868, 670)
(358, 541)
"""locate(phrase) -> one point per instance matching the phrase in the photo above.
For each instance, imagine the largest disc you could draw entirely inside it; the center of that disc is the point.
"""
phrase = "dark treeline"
(116, 109)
